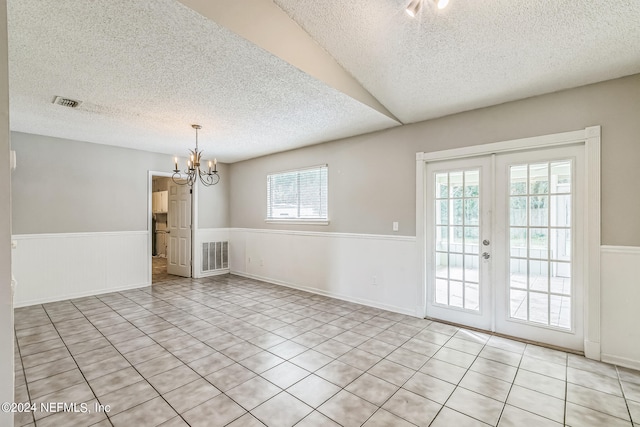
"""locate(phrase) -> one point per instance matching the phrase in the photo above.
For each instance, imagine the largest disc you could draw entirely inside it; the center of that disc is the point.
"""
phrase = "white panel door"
(539, 256)
(179, 230)
(458, 241)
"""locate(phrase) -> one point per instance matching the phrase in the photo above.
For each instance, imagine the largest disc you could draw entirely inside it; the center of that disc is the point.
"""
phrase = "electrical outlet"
(261, 263)
(395, 225)
(248, 260)
(374, 281)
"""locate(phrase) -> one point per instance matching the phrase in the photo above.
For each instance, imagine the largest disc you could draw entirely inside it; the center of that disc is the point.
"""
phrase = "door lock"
(486, 242)
(486, 255)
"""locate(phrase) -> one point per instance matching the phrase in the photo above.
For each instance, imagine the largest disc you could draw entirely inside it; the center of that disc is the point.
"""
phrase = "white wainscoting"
(54, 267)
(375, 270)
(201, 236)
(620, 287)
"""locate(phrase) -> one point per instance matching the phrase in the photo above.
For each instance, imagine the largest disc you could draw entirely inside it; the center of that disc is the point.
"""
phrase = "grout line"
(624, 395)
(74, 359)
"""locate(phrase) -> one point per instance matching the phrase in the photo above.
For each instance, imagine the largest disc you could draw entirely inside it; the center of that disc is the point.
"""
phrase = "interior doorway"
(170, 219)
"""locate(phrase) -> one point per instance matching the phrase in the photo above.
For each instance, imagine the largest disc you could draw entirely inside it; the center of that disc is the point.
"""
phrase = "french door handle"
(486, 255)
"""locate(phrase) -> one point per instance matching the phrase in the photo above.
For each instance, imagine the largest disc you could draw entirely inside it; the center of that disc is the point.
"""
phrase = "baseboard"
(368, 303)
(212, 273)
(621, 361)
(80, 295)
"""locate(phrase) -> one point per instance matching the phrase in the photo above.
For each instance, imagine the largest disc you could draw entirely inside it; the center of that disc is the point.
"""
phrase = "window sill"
(297, 221)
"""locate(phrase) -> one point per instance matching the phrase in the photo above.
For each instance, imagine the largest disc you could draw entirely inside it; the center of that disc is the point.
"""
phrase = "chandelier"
(193, 171)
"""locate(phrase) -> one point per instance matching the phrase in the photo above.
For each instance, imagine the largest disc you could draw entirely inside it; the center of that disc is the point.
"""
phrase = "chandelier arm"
(193, 171)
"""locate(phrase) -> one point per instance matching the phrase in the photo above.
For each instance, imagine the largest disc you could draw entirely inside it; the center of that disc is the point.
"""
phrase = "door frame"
(194, 218)
(591, 138)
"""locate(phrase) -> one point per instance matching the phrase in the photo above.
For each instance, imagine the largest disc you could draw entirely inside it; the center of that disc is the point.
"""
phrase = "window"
(298, 195)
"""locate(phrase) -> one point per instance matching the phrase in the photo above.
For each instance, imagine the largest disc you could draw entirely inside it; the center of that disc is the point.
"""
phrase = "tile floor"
(159, 270)
(230, 351)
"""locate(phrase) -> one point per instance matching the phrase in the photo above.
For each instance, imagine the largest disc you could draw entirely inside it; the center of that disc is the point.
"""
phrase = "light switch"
(14, 244)
(395, 225)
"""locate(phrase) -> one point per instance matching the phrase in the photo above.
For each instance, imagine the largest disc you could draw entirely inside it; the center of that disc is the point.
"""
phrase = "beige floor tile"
(448, 417)
(372, 389)
(475, 405)
(151, 413)
(516, 417)
(191, 395)
(313, 390)
(430, 387)
(347, 409)
(538, 403)
(253, 392)
(283, 410)
(384, 418)
(413, 408)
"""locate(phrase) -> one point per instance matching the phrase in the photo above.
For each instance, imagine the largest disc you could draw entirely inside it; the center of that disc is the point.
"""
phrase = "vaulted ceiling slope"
(264, 76)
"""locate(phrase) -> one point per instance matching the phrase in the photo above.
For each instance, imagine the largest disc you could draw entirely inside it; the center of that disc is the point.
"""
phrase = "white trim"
(610, 249)
(591, 138)
(67, 235)
(74, 265)
(621, 361)
(522, 144)
(421, 239)
(296, 221)
(194, 216)
(323, 165)
(150, 175)
(592, 242)
(328, 234)
(335, 295)
(72, 296)
(375, 270)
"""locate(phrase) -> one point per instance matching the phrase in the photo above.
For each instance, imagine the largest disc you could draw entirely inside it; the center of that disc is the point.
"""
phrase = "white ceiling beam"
(264, 24)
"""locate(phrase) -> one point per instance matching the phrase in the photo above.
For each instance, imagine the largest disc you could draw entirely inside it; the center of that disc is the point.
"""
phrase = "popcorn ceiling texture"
(146, 70)
(474, 53)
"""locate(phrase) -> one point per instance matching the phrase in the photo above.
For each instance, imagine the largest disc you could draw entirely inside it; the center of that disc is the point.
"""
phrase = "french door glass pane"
(457, 239)
(540, 243)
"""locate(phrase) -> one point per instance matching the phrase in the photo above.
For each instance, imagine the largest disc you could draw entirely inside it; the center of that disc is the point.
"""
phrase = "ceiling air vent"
(66, 102)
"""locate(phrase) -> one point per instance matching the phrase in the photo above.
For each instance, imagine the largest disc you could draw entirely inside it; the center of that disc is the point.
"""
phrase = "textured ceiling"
(145, 70)
(474, 53)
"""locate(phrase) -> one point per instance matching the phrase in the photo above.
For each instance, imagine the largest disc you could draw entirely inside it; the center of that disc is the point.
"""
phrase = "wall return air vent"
(66, 102)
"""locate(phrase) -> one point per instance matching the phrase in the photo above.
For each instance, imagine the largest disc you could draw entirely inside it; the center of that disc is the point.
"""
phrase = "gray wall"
(213, 202)
(372, 177)
(65, 186)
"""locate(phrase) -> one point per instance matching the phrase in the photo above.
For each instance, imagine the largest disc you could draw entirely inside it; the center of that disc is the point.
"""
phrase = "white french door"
(539, 250)
(504, 243)
(458, 215)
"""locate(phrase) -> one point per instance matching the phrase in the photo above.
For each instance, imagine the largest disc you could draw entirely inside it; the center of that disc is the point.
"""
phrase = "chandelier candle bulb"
(175, 160)
(215, 165)
(209, 167)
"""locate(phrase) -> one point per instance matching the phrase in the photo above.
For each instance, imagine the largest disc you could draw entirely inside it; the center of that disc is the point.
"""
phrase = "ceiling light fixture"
(193, 171)
(415, 5)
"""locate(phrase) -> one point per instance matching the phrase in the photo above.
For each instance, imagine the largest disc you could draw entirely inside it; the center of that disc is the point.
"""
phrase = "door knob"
(486, 242)
(486, 255)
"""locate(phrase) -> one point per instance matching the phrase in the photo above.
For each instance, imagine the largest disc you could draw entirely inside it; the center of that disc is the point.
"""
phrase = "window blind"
(298, 194)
